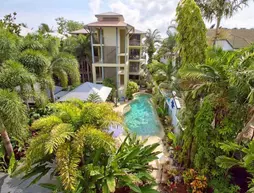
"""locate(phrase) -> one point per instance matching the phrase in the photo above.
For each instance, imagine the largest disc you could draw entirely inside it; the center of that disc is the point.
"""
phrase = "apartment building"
(117, 50)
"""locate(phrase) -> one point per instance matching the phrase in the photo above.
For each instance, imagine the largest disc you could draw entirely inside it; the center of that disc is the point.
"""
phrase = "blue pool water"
(142, 118)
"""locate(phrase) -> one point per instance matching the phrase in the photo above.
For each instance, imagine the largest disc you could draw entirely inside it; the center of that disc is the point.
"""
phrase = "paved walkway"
(15, 185)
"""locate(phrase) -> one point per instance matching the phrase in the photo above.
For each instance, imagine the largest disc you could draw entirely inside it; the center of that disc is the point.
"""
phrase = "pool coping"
(162, 133)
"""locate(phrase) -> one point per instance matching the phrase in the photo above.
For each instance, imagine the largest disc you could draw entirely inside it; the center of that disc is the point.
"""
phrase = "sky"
(142, 14)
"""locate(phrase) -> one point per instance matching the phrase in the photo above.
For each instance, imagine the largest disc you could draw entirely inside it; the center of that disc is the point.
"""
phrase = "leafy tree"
(217, 9)
(168, 45)
(9, 45)
(44, 28)
(152, 37)
(13, 118)
(66, 26)
(110, 83)
(8, 22)
(132, 87)
(191, 33)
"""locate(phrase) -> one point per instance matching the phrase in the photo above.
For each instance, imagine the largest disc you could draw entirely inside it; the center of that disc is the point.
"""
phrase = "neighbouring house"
(232, 39)
(117, 50)
(85, 65)
(83, 91)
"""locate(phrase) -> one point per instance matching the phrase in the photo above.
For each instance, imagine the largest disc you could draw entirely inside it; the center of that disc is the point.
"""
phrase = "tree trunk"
(7, 142)
(217, 30)
(52, 96)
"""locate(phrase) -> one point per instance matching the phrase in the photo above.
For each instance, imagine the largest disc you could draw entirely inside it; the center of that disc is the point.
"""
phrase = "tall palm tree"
(152, 37)
(44, 28)
(12, 117)
(45, 66)
(15, 77)
(217, 9)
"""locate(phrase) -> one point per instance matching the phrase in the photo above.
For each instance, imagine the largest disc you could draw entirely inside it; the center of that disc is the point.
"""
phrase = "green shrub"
(132, 88)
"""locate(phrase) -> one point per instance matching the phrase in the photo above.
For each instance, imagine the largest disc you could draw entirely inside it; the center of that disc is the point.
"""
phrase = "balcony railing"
(134, 69)
(134, 42)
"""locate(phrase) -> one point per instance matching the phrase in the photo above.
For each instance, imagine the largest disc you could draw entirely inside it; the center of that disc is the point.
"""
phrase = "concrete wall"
(109, 36)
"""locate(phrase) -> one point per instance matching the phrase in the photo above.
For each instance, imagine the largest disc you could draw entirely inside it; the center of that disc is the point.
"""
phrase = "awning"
(83, 91)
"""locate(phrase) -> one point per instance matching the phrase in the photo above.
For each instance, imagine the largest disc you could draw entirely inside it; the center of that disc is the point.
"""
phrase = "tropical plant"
(217, 9)
(132, 87)
(44, 28)
(245, 160)
(191, 33)
(168, 46)
(49, 63)
(9, 45)
(152, 37)
(87, 157)
(8, 22)
(110, 83)
(66, 26)
(13, 118)
(94, 98)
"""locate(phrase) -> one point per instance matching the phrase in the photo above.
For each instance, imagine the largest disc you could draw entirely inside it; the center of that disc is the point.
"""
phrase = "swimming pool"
(142, 118)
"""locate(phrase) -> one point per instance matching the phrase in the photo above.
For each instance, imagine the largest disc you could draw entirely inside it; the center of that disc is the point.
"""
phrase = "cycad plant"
(67, 135)
(87, 158)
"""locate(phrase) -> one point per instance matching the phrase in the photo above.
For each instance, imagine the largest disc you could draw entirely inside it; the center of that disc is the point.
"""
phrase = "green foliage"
(94, 98)
(87, 158)
(8, 22)
(132, 87)
(13, 113)
(66, 26)
(44, 28)
(152, 37)
(221, 184)
(110, 83)
(9, 45)
(191, 36)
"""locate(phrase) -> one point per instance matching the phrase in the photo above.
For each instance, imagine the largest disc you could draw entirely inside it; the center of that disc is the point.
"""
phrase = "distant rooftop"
(136, 31)
(237, 38)
(80, 31)
(108, 14)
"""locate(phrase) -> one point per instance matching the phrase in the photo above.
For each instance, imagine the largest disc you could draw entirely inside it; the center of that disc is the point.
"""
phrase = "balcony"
(134, 54)
(134, 42)
(134, 68)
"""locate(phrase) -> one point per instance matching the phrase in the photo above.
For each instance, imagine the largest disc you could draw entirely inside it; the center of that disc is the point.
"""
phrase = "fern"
(58, 135)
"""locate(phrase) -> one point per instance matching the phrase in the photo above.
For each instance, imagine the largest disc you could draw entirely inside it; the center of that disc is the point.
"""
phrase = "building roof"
(108, 24)
(80, 31)
(237, 38)
(108, 14)
(136, 31)
(83, 91)
(24, 31)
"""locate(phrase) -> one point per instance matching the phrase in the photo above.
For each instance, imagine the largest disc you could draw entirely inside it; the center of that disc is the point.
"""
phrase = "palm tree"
(9, 45)
(44, 28)
(94, 98)
(217, 9)
(15, 77)
(152, 37)
(70, 134)
(61, 65)
(12, 117)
